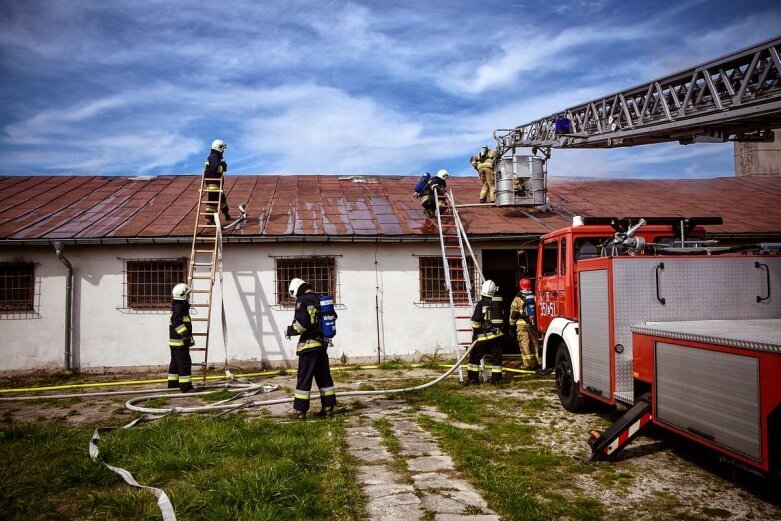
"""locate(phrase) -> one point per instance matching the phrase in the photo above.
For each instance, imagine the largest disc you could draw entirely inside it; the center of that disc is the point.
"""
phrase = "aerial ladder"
(455, 247)
(205, 267)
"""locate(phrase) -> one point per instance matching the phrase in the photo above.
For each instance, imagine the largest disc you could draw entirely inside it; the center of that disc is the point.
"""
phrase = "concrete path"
(420, 481)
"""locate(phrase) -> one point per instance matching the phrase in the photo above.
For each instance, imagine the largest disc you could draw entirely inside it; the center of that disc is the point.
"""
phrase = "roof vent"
(358, 179)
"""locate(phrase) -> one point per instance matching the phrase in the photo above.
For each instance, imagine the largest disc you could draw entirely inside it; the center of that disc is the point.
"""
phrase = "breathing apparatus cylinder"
(497, 311)
(327, 316)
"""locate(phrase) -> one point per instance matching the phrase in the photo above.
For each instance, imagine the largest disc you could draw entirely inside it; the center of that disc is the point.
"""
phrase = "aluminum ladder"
(454, 246)
(201, 269)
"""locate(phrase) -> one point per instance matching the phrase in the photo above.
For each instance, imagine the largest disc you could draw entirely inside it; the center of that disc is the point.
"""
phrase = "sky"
(333, 87)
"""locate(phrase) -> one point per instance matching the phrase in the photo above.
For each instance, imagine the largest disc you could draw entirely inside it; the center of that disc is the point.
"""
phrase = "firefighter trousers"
(489, 184)
(180, 369)
(215, 197)
(491, 350)
(314, 364)
(527, 341)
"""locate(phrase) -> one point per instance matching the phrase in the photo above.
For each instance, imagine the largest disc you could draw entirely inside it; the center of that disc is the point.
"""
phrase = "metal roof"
(329, 207)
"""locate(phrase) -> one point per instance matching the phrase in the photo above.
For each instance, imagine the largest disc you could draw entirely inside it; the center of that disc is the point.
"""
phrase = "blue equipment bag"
(563, 125)
(327, 316)
(422, 182)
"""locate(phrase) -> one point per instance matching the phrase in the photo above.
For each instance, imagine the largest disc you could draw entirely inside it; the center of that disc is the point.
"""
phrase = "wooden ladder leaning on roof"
(458, 275)
(202, 266)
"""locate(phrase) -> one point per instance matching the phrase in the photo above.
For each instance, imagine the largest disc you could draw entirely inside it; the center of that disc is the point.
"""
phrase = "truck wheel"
(569, 395)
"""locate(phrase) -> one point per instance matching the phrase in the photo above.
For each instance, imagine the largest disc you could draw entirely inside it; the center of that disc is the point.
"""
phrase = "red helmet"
(525, 285)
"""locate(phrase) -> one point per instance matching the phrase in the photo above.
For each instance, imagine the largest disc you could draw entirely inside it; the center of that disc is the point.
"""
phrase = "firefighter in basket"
(314, 323)
(523, 322)
(485, 169)
(487, 322)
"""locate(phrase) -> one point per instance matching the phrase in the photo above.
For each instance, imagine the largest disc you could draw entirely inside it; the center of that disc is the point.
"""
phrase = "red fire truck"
(686, 335)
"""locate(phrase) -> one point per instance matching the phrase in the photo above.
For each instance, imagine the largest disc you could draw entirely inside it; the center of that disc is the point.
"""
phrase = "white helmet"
(219, 145)
(443, 174)
(294, 285)
(180, 291)
(488, 289)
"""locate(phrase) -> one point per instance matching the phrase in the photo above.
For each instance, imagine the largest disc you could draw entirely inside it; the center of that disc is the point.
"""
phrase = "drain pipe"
(58, 247)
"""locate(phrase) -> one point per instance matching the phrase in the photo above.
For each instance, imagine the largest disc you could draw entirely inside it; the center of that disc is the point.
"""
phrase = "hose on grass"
(222, 406)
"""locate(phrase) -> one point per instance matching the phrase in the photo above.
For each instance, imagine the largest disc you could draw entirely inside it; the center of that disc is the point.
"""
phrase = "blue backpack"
(530, 308)
(422, 182)
(327, 316)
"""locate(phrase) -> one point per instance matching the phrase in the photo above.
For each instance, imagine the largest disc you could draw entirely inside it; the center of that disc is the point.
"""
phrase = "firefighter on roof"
(523, 320)
(312, 352)
(487, 320)
(180, 338)
(435, 187)
(485, 169)
(213, 171)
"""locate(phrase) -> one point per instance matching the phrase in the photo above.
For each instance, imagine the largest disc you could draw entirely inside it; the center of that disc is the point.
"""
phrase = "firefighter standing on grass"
(180, 338)
(487, 332)
(213, 171)
(312, 352)
(523, 320)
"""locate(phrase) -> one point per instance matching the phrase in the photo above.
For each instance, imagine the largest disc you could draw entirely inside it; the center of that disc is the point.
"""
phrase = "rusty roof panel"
(70, 206)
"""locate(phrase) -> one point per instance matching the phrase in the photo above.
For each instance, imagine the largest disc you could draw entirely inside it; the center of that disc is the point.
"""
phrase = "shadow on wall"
(256, 307)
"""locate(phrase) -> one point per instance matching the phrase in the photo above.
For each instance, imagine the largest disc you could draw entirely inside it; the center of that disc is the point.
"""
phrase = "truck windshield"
(588, 247)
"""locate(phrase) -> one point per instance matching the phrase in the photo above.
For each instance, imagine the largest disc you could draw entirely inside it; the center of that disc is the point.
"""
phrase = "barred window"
(148, 282)
(18, 290)
(432, 280)
(319, 272)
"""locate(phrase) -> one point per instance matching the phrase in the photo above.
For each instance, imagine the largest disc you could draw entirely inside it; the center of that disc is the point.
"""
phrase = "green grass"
(225, 469)
(520, 479)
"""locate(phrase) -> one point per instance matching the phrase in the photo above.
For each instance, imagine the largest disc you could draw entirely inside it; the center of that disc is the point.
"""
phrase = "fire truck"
(647, 315)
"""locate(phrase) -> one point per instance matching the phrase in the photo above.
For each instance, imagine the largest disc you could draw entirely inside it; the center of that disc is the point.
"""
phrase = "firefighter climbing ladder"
(207, 238)
(455, 245)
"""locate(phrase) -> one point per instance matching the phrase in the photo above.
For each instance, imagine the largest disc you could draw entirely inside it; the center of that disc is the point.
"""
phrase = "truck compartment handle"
(700, 433)
(658, 294)
(759, 266)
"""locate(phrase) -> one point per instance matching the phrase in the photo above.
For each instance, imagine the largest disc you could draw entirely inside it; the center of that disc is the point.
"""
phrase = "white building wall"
(107, 336)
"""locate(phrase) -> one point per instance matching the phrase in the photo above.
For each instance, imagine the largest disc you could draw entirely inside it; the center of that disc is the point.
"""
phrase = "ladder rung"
(197, 319)
(197, 349)
(201, 364)
(199, 334)
(201, 291)
(200, 263)
(200, 305)
(206, 277)
(204, 251)
(451, 280)
(204, 238)
(464, 330)
(465, 316)
(451, 257)
(460, 343)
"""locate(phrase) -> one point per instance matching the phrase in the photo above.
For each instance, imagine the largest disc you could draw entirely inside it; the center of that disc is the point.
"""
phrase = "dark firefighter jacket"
(482, 329)
(180, 329)
(215, 166)
(307, 324)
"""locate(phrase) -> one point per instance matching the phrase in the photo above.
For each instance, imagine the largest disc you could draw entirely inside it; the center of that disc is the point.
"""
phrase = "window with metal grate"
(319, 272)
(19, 290)
(148, 282)
(432, 281)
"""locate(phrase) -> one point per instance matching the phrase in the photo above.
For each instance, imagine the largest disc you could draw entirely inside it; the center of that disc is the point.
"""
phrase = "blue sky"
(142, 87)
